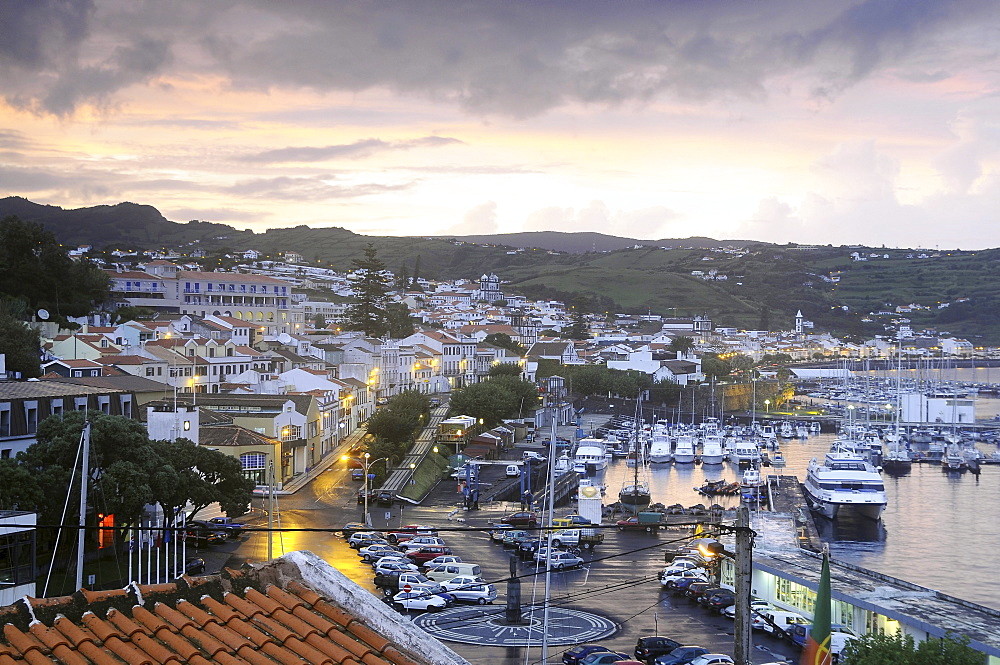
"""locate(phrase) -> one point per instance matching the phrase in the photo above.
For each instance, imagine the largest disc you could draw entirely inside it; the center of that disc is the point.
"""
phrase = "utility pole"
(744, 550)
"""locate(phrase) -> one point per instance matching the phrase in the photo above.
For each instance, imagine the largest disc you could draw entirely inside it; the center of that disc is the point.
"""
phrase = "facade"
(164, 286)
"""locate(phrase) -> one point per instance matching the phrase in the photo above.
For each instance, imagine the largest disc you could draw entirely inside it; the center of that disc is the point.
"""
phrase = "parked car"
(366, 540)
(757, 607)
(499, 531)
(202, 535)
(682, 655)
(574, 655)
(444, 558)
(712, 659)
(681, 579)
(696, 590)
(648, 648)
(481, 593)
(719, 600)
(562, 560)
(419, 600)
(409, 531)
(233, 528)
(446, 571)
(359, 536)
(427, 553)
(352, 527)
(515, 537)
(361, 495)
(459, 581)
(513, 471)
(376, 551)
(385, 497)
(523, 518)
(533, 456)
(601, 658)
(420, 541)
(194, 566)
(394, 566)
(570, 521)
(683, 563)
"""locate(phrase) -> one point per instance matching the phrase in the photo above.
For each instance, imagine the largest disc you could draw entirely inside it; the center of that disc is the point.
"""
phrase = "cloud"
(357, 150)
(316, 188)
(514, 59)
(481, 220)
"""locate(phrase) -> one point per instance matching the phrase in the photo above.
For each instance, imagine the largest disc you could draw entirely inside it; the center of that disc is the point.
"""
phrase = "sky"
(832, 122)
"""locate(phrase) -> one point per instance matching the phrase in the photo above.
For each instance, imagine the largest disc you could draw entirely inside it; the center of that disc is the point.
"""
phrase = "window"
(31, 417)
(5, 453)
(5, 422)
(150, 371)
(254, 467)
(291, 432)
(17, 558)
(56, 407)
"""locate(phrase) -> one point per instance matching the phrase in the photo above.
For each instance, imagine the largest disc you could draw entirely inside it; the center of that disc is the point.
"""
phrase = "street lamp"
(366, 463)
(767, 406)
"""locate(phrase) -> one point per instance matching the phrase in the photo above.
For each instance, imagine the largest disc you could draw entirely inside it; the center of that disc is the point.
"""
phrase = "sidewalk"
(301, 480)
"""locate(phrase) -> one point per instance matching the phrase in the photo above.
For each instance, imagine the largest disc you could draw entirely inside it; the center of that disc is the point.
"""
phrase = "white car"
(679, 565)
(444, 558)
(421, 541)
(513, 471)
(759, 606)
(482, 593)
(383, 567)
(561, 560)
(460, 581)
(376, 551)
(712, 659)
(418, 600)
(670, 581)
(392, 558)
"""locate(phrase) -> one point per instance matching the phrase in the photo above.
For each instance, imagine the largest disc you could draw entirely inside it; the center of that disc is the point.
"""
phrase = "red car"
(427, 553)
(522, 519)
(409, 531)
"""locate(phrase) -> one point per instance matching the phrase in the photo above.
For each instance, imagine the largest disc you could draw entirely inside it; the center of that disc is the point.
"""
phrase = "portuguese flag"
(817, 647)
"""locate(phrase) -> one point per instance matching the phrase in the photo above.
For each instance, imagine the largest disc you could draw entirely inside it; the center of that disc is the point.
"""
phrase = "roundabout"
(487, 626)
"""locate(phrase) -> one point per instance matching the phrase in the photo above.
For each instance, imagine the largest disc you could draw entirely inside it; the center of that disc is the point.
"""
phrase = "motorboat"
(712, 451)
(752, 487)
(562, 464)
(897, 458)
(659, 449)
(684, 452)
(844, 480)
(590, 454)
(787, 430)
(718, 488)
(745, 452)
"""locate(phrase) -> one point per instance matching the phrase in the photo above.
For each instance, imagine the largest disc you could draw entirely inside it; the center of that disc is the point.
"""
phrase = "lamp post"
(742, 559)
(366, 463)
(767, 406)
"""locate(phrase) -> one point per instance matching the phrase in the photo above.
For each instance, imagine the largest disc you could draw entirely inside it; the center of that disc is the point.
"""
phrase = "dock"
(785, 495)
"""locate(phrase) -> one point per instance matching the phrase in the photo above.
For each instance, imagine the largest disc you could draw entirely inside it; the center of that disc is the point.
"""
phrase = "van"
(445, 571)
(513, 471)
(783, 620)
(839, 637)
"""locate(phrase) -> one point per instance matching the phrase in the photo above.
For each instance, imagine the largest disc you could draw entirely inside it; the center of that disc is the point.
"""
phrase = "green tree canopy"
(504, 341)
(489, 401)
(881, 649)
(369, 310)
(391, 425)
(712, 365)
(21, 346)
(506, 369)
(35, 268)
(681, 344)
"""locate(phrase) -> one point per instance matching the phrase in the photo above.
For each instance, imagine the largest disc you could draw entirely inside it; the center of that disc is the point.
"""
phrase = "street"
(618, 580)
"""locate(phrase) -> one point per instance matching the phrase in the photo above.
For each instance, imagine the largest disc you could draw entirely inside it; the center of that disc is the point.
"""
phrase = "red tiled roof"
(234, 618)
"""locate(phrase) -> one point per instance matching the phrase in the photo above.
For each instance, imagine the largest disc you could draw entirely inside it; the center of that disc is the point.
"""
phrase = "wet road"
(618, 580)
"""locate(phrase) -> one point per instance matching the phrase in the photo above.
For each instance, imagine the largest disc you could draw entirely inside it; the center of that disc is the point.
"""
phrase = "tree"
(22, 347)
(881, 649)
(765, 319)
(319, 322)
(399, 320)
(34, 267)
(369, 311)
(506, 369)
(504, 341)
(715, 366)
(578, 328)
(488, 401)
(391, 425)
(682, 344)
(739, 364)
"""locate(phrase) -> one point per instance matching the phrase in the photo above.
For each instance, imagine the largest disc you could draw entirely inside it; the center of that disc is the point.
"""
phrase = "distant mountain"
(583, 242)
(744, 284)
(125, 225)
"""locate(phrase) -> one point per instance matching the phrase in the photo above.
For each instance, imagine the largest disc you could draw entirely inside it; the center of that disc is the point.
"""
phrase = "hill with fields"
(746, 284)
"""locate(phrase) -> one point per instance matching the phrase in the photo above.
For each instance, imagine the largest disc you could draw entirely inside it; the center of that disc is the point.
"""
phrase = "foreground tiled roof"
(252, 616)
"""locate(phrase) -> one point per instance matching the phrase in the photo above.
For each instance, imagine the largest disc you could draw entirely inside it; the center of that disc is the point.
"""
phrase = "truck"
(232, 528)
(647, 521)
(394, 582)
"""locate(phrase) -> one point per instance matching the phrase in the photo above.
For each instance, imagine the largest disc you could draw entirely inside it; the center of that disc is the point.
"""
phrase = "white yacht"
(844, 480)
(590, 455)
(659, 449)
(745, 452)
(684, 449)
(712, 451)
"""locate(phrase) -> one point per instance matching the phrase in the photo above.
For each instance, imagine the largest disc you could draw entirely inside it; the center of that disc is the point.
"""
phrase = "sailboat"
(636, 494)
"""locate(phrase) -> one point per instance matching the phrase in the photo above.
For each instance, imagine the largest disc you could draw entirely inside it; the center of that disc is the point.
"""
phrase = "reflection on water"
(930, 514)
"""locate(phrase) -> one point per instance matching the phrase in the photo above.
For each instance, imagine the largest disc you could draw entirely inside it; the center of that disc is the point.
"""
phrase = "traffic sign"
(407, 588)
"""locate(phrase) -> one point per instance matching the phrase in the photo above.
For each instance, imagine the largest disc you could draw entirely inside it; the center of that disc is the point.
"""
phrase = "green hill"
(743, 284)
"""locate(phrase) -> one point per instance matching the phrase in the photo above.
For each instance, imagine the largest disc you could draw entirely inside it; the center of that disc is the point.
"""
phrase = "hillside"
(736, 283)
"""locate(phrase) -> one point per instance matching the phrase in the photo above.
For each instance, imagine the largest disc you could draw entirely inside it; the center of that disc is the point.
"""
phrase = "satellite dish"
(284, 338)
(43, 314)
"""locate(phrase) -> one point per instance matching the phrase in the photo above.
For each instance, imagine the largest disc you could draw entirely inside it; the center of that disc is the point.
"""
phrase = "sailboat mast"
(84, 476)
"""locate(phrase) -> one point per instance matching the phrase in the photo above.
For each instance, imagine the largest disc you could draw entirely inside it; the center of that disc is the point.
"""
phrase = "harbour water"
(939, 529)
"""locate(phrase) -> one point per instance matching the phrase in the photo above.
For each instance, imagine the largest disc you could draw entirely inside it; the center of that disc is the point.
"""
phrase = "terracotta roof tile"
(219, 620)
